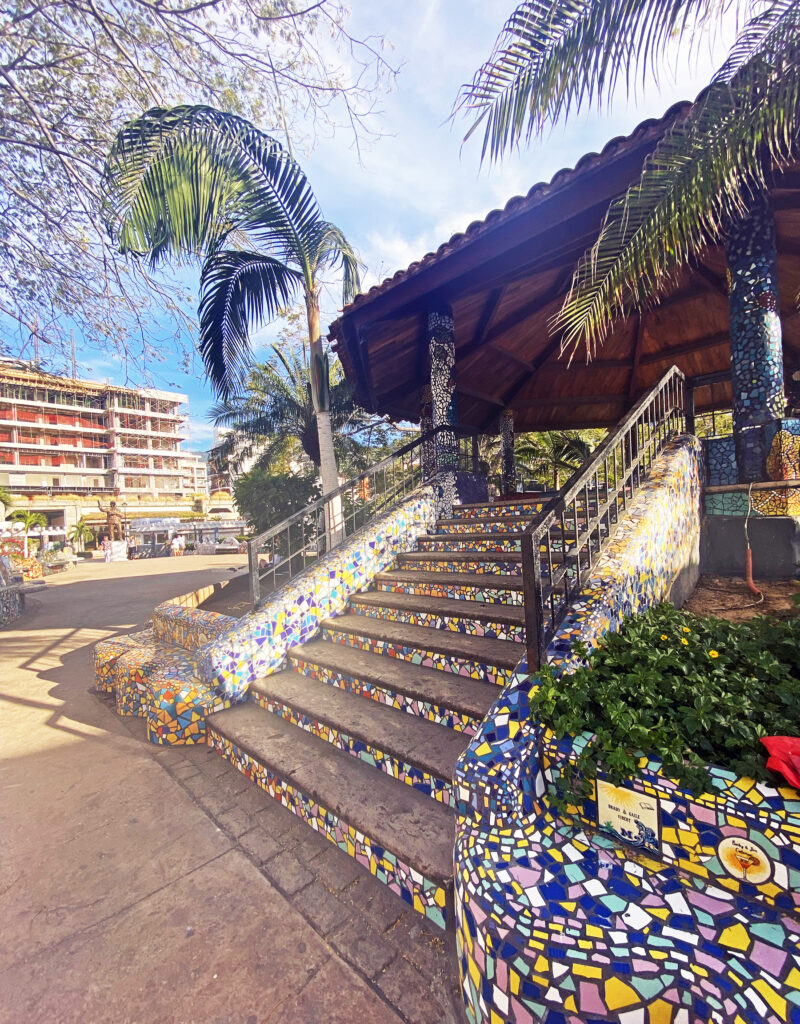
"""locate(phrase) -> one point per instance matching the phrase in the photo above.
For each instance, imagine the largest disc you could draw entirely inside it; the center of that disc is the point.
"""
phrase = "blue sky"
(415, 186)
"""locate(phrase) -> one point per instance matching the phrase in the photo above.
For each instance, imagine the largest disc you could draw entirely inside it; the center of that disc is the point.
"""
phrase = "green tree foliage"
(81, 534)
(265, 498)
(553, 455)
(275, 420)
(28, 518)
(554, 58)
(72, 71)
(692, 690)
(201, 182)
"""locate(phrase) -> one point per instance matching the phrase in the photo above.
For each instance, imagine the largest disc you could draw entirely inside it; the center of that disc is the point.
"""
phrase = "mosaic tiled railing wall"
(191, 663)
(560, 922)
(258, 643)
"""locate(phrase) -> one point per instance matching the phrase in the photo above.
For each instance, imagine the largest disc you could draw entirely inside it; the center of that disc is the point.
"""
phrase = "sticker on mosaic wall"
(745, 861)
(628, 815)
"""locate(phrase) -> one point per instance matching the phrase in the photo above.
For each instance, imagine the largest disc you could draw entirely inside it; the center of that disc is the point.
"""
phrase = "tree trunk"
(334, 524)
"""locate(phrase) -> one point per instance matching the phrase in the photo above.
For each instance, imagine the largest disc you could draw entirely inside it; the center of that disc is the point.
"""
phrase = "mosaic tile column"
(756, 349)
(508, 467)
(442, 349)
(425, 426)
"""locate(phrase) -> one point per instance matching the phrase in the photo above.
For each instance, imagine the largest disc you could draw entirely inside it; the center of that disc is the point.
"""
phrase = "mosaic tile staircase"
(429, 646)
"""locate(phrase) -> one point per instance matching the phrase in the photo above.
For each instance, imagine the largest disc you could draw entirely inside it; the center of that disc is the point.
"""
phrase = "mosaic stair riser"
(464, 525)
(519, 526)
(488, 543)
(431, 785)
(524, 508)
(454, 624)
(438, 713)
(456, 592)
(453, 542)
(474, 566)
(425, 659)
(425, 896)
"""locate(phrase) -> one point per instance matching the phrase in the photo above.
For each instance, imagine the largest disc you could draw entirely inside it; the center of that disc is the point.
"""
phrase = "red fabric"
(784, 757)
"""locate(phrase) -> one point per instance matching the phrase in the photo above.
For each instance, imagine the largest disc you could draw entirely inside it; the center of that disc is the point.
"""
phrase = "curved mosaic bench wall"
(558, 922)
(191, 663)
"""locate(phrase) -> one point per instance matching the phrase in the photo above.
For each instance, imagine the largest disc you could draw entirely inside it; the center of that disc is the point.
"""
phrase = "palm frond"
(239, 292)
(699, 180)
(328, 247)
(555, 56)
(180, 180)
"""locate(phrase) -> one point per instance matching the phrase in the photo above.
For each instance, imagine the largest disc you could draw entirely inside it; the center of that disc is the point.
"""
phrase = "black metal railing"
(279, 554)
(560, 545)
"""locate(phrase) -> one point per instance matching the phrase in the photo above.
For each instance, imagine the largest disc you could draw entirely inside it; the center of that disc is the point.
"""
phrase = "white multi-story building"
(65, 441)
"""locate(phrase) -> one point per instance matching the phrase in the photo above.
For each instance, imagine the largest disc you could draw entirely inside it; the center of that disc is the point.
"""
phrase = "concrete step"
(479, 618)
(460, 586)
(498, 563)
(455, 701)
(413, 750)
(401, 836)
(492, 661)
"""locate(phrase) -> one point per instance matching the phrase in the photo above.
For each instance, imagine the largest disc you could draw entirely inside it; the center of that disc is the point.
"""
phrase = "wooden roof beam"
(488, 312)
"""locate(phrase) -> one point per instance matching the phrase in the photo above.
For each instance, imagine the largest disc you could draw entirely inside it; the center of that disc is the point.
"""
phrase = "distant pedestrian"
(106, 546)
(175, 546)
(131, 548)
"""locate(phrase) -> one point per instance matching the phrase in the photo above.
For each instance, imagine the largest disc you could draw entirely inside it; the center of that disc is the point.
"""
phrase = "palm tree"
(551, 453)
(276, 414)
(80, 533)
(6, 501)
(29, 520)
(195, 181)
(553, 58)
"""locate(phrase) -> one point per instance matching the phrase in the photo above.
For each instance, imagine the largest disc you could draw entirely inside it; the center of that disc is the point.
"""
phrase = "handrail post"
(255, 579)
(689, 408)
(532, 597)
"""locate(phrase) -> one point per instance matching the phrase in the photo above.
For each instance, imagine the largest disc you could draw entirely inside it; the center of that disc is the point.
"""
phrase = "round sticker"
(744, 860)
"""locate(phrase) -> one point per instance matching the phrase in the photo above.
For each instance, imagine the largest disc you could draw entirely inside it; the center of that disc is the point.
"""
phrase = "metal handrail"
(586, 512)
(303, 537)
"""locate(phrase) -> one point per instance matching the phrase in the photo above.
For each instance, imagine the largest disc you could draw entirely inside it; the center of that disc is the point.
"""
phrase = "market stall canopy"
(505, 277)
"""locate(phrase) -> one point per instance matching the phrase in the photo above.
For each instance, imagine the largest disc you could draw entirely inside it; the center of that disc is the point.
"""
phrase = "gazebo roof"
(506, 275)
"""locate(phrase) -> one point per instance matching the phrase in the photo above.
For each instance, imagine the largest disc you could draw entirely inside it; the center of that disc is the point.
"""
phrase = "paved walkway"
(142, 884)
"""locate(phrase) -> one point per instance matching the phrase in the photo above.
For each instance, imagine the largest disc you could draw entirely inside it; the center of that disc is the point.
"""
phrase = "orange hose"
(748, 573)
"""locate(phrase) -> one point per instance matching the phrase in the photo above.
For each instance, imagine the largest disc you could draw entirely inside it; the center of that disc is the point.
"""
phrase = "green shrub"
(691, 690)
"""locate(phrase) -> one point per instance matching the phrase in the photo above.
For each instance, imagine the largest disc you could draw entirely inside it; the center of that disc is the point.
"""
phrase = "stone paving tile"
(411, 965)
(322, 908)
(235, 821)
(259, 845)
(289, 873)
(422, 1001)
(335, 868)
(363, 947)
(377, 903)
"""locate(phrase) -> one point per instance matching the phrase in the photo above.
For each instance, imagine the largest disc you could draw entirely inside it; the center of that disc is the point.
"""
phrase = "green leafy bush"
(691, 690)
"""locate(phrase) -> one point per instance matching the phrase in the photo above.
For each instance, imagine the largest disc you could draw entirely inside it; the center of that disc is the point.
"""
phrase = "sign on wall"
(630, 816)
